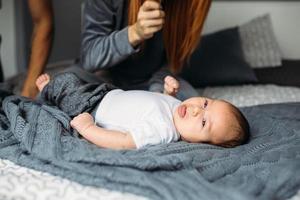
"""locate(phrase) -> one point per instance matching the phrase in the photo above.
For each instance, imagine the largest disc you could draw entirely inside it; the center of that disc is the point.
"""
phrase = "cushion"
(286, 75)
(259, 43)
(218, 60)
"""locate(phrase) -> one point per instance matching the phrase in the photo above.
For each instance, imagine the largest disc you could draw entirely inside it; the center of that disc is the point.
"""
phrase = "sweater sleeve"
(102, 46)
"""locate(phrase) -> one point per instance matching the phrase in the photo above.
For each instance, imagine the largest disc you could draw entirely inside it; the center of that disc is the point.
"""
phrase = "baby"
(135, 119)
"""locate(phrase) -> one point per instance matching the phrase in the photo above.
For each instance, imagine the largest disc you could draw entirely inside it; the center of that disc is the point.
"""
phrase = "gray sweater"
(105, 45)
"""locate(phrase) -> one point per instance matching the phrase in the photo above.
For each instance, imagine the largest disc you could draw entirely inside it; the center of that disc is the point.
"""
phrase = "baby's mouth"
(181, 111)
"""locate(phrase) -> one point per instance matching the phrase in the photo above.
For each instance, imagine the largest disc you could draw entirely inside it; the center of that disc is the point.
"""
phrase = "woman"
(136, 42)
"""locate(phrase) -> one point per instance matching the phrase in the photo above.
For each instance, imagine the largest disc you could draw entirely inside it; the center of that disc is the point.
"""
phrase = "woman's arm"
(42, 16)
(103, 46)
(101, 137)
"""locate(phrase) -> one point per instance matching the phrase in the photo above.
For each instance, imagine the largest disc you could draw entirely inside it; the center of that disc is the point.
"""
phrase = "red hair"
(183, 25)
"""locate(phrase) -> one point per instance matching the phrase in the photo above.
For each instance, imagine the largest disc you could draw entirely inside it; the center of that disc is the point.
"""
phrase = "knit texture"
(39, 136)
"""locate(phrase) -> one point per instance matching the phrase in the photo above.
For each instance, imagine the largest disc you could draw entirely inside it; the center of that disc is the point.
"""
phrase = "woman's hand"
(149, 21)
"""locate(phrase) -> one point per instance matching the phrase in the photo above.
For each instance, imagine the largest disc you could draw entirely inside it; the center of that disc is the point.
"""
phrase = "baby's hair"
(242, 129)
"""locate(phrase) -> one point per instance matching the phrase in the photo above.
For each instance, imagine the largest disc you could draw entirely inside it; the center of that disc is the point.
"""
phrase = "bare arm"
(42, 16)
(107, 138)
(101, 137)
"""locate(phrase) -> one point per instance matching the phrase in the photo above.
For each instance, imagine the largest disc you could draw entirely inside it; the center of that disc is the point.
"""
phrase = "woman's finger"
(152, 22)
(153, 14)
(150, 5)
(148, 32)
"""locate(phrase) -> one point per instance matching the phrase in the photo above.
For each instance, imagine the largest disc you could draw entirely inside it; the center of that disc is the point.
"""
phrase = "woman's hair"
(183, 25)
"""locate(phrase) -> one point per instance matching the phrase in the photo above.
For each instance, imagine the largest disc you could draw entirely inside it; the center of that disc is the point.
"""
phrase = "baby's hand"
(171, 86)
(82, 122)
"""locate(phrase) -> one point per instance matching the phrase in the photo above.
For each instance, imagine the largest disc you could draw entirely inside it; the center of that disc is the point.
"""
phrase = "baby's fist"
(171, 86)
(82, 122)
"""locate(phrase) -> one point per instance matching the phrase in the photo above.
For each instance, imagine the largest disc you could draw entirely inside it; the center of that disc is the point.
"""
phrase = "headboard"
(284, 16)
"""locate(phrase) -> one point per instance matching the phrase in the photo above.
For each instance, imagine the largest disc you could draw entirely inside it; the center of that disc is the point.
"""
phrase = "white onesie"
(147, 116)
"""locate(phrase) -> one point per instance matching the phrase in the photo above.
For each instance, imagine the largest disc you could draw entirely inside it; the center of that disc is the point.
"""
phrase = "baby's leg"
(73, 95)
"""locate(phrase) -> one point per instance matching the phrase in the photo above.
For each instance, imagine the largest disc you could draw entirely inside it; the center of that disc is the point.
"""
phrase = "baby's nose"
(197, 110)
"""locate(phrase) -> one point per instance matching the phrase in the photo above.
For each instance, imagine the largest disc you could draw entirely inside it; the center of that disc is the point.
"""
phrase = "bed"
(17, 182)
(20, 182)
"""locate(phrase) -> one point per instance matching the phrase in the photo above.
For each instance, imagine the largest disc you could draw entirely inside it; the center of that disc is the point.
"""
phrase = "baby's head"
(204, 120)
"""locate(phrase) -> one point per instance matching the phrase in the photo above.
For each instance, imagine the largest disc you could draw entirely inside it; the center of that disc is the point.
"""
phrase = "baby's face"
(206, 120)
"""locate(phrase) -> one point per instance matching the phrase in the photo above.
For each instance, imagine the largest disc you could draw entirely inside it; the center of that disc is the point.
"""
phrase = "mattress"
(18, 182)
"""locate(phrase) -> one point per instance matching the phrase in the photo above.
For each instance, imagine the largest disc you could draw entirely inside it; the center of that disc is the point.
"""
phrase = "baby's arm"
(101, 137)
(171, 86)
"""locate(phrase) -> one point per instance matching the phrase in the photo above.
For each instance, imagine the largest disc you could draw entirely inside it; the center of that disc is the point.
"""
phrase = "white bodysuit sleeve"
(146, 133)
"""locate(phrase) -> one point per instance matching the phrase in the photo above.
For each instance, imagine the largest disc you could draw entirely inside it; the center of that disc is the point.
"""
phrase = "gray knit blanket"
(39, 136)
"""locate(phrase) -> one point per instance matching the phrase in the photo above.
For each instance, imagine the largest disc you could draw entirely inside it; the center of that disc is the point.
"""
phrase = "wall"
(285, 17)
(15, 28)
(8, 32)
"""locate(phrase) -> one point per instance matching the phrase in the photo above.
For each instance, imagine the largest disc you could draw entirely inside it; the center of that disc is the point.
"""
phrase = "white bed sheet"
(18, 182)
(250, 95)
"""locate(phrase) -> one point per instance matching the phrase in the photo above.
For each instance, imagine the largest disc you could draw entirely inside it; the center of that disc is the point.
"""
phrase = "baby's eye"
(203, 122)
(205, 103)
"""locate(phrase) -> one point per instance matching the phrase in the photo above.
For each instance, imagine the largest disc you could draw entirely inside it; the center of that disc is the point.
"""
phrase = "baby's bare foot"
(171, 86)
(42, 81)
